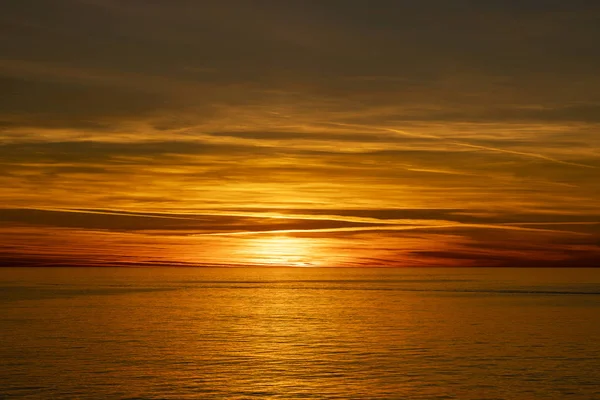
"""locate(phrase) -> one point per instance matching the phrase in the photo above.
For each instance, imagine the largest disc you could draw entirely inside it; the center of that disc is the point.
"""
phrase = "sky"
(308, 133)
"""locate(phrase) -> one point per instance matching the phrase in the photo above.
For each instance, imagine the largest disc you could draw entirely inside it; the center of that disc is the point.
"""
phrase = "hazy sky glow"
(305, 133)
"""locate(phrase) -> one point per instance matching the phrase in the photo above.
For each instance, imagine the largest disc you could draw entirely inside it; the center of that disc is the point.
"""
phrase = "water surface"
(287, 333)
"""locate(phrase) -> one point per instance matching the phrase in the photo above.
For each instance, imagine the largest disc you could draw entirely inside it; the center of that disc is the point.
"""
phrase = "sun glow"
(281, 251)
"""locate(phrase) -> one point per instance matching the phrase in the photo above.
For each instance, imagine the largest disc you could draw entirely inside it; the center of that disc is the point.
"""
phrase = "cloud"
(166, 223)
(414, 132)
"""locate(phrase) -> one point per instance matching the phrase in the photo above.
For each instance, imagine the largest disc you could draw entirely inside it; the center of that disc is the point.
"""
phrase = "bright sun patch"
(281, 251)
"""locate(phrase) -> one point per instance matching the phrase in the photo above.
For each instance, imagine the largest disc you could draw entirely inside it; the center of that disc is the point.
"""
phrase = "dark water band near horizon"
(299, 333)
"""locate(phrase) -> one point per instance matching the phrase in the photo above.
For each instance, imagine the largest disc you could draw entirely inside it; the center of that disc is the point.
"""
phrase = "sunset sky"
(300, 133)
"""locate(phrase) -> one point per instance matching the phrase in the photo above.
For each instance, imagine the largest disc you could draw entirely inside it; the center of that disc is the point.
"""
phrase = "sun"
(281, 251)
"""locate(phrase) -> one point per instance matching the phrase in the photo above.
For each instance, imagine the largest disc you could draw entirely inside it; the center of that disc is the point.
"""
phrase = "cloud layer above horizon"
(323, 133)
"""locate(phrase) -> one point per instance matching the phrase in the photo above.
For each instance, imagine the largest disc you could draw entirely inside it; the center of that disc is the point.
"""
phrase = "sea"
(299, 333)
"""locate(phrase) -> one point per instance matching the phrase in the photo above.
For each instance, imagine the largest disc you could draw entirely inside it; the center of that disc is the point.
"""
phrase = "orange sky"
(300, 133)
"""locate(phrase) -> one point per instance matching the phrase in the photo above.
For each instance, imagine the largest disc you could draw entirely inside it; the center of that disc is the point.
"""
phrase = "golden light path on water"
(299, 333)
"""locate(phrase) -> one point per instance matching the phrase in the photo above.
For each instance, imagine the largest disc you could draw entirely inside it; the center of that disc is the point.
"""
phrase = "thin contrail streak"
(522, 153)
(462, 144)
(494, 149)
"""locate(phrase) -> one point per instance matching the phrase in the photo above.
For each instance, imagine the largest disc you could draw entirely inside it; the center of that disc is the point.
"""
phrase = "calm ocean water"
(285, 333)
